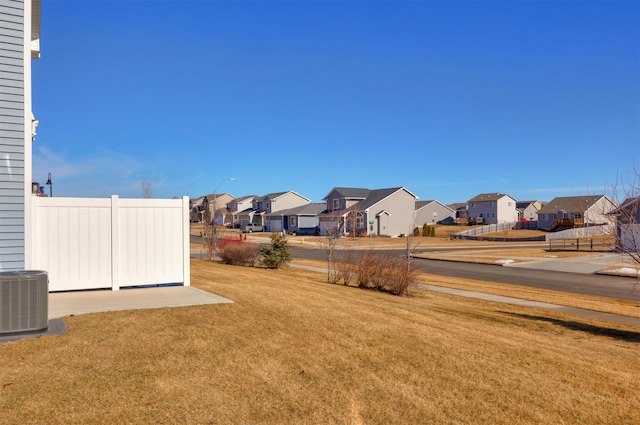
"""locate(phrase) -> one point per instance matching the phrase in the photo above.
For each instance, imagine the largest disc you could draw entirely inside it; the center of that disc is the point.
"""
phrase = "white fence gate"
(88, 243)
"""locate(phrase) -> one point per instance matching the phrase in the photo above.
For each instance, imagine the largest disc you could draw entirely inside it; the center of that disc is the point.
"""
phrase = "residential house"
(20, 35)
(216, 205)
(566, 212)
(210, 207)
(272, 202)
(627, 219)
(432, 212)
(493, 208)
(382, 212)
(196, 209)
(295, 220)
(528, 210)
(242, 205)
(461, 212)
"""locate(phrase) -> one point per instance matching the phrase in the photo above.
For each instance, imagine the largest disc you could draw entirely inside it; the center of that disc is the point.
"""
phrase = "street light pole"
(214, 197)
(50, 184)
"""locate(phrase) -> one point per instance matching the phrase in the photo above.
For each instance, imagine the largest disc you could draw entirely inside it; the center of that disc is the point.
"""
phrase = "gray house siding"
(493, 208)
(393, 215)
(12, 135)
(432, 212)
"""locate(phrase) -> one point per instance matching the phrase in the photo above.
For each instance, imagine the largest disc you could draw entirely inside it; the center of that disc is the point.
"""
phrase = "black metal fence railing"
(583, 244)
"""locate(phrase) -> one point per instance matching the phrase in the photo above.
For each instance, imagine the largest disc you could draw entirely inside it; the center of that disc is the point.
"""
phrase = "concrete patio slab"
(81, 302)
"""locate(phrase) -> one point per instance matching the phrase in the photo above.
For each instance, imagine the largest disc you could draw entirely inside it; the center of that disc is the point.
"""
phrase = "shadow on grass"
(629, 336)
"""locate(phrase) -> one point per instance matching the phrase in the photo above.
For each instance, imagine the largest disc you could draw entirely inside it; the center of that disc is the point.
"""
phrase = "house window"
(359, 219)
(491, 204)
(292, 221)
(336, 204)
(473, 205)
(509, 204)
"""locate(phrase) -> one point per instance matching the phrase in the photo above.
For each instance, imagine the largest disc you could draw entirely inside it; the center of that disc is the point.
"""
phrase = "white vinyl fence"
(88, 243)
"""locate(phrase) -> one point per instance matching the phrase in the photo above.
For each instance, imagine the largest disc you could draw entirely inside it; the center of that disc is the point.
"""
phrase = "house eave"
(36, 7)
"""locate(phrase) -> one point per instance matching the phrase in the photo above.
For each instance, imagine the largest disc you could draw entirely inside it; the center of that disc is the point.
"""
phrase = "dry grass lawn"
(293, 349)
(587, 302)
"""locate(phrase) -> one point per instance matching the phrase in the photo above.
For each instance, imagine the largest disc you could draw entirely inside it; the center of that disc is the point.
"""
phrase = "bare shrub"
(370, 270)
(402, 278)
(238, 253)
(384, 272)
(344, 268)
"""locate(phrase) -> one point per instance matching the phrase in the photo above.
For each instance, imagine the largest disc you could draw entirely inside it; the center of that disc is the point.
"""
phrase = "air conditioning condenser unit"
(24, 301)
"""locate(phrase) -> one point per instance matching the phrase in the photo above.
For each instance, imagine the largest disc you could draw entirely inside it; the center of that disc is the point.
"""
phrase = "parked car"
(251, 227)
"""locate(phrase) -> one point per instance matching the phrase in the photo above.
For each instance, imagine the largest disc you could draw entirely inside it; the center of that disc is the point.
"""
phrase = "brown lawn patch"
(587, 302)
(293, 349)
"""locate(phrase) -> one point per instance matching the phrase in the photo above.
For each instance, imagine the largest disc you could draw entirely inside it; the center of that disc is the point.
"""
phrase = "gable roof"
(570, 204)
(349, 192)
(458, 206)
(524, 204)
(197, 201)
(485, 197)
(629, 205)
(244, 198)
(276, 195)
(376, 196)
(273, 195)
(420, 204)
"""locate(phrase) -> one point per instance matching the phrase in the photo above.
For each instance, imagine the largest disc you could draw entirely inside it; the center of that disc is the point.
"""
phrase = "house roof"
(376, 196)
(628, 205)
(244, 198)
(524, 204)
(272, 195)
(248, 211)
(197, 202)
(570, 204)
(308, 209)
(36, 7)
(371, 197)
(349, 192)
(485, 197)
(458, 206)
(221, 195)
(422, 204)
(276, 195)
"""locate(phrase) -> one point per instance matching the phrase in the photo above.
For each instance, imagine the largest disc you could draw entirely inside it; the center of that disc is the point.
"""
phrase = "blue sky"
(449, 99)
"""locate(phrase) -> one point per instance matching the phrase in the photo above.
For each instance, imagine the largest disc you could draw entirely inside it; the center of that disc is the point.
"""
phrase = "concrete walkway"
(589, 314)
(578, 312)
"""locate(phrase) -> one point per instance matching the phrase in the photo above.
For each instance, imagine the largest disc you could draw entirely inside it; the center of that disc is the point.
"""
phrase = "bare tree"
(147, 190)
(626, 193)
(328, 246)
